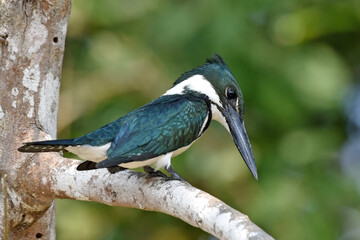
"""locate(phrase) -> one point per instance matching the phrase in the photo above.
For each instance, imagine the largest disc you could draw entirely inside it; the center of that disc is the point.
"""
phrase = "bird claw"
(174, 174)
(174, 179)
(152, 173)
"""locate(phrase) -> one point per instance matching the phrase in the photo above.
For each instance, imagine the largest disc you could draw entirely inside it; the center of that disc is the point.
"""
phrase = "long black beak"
(241, 139)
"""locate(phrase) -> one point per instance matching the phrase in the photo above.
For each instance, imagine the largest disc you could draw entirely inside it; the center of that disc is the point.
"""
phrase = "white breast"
(158, 162)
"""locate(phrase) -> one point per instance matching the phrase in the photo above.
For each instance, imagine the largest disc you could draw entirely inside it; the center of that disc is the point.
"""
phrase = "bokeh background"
(298, 65)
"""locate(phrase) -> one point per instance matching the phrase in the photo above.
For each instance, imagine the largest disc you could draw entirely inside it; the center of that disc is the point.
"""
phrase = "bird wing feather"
(157, 128)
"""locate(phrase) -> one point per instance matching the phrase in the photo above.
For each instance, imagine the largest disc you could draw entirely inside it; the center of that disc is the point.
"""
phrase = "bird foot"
(174, 174)
(152, 173)
(169, 169)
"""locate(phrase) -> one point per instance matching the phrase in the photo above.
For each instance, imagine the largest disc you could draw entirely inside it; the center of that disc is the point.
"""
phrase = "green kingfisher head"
(215, 81)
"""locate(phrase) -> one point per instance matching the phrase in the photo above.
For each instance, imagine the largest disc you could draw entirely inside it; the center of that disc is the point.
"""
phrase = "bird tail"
(46, 146)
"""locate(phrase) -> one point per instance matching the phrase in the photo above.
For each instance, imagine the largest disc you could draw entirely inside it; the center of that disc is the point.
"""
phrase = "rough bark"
(32, 37)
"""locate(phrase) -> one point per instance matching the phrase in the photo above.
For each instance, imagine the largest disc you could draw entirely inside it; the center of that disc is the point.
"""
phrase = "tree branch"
(32, 39)
(52, 176)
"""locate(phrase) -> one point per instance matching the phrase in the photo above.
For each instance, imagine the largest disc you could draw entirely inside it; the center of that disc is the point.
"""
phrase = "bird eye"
(230, 93)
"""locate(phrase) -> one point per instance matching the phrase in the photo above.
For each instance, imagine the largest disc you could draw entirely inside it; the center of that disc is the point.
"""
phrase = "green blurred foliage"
(294, 61)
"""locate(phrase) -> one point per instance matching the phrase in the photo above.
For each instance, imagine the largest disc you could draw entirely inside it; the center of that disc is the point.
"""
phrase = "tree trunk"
(32, 39)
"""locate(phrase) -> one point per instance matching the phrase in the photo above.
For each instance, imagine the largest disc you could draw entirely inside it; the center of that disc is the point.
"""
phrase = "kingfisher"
(149, 136)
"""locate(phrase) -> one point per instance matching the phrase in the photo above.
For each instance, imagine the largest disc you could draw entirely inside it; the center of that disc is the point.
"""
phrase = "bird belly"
(98, 154)
(88, 152)
(137, 164)
(159, 162)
